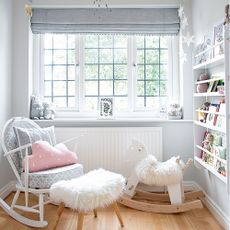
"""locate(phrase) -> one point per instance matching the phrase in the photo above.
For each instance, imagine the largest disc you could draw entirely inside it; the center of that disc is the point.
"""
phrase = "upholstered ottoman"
(98, 188)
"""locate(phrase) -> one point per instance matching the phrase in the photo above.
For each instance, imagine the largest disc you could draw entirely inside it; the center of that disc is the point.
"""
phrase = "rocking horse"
(151, 172)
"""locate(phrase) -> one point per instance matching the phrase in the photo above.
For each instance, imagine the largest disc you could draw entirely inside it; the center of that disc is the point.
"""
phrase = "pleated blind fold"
(157, 21)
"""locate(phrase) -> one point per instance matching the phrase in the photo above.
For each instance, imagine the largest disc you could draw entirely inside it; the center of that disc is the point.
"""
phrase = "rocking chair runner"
(37, 183)
(150, 172)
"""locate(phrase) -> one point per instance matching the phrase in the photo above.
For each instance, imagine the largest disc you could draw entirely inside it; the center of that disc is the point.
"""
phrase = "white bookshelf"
(218, 71)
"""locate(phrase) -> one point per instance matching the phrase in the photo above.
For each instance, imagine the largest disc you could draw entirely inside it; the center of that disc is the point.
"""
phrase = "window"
(78, 70)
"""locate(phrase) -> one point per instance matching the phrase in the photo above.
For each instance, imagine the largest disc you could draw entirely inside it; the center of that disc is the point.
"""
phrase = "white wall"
(5, 87)
(205, 15)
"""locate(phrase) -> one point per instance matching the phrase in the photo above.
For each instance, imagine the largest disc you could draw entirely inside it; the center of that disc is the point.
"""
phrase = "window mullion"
(132, 65)
(79, 67)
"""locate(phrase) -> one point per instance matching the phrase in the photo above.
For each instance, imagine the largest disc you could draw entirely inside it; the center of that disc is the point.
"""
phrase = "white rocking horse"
(151, 172)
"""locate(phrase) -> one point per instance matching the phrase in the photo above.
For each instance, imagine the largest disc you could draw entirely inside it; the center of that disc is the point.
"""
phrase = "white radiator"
(109, 148)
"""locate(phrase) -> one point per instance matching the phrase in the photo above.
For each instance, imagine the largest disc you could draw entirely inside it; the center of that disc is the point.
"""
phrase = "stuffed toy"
(48, 111)
(36, 108)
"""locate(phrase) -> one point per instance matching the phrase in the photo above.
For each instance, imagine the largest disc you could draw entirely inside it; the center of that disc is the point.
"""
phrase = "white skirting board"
(7, 189)
(216, 211)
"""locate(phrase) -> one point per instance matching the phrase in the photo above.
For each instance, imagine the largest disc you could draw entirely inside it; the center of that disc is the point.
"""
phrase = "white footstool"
(98, 188)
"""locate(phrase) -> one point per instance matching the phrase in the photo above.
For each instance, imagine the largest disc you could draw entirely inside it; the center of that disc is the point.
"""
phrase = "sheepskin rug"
(152, 172)
(98, 188)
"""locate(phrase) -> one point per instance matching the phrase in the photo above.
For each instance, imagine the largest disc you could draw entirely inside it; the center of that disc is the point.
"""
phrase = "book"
(210, 86)
(214, 87)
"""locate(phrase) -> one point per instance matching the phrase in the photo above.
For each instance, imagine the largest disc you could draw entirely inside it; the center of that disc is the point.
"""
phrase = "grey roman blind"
(103, 20)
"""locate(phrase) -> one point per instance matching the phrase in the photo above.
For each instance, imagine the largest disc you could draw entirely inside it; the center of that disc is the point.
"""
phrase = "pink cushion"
(45, 156)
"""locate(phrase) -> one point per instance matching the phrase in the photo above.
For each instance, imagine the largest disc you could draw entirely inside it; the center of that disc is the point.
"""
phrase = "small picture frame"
(106, 107)
(218, 39)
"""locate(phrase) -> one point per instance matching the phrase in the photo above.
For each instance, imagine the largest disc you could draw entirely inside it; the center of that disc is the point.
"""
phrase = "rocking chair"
(37, 183)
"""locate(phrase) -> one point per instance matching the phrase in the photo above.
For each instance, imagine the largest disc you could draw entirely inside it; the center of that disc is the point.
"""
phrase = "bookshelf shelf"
(207, 126)
(210, 169)
(210, 63)
(212, 107)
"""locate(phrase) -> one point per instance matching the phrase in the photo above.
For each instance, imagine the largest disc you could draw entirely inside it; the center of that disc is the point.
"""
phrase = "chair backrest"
(9, 140)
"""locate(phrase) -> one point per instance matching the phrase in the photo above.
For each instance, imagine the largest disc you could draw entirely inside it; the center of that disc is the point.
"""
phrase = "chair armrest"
(17, 149)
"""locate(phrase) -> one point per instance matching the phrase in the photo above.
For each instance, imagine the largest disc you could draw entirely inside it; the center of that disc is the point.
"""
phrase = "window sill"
(67, 122)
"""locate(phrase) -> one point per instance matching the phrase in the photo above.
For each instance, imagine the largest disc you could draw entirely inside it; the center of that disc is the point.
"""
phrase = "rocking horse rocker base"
(169, 174)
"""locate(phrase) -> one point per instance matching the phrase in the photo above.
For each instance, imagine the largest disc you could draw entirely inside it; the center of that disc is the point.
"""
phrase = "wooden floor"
(134, 220)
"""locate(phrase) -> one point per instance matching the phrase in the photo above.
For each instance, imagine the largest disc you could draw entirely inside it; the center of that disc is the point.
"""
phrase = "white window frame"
(133, 111)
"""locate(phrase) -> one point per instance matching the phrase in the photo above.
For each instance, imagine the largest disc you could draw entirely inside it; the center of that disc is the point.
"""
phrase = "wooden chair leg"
(95, 213)
(117, 211)
(59, 212)
(80, 221)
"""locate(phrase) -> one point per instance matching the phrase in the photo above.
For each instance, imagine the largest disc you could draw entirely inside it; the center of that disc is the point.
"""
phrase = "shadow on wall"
(6, 173)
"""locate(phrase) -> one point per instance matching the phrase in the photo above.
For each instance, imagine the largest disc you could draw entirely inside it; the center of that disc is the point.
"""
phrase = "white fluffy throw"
(152, 172)
(98, 188)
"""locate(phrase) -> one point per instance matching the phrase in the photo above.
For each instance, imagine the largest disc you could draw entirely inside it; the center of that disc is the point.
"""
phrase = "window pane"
(71, 102)
(48, 57)
(106, 41)
(140, 102)
(48, 41)
(91, 103)
(164, 71)
(48, 99)
(152, 102)
(106, 71)
(140, 56)
(152, 88)
(140, 72)
(59, 88)
(164, 42)
(106, 88)
(71, 41)
(140, 88)
(59, 57)
(152, 59)
(106, 55)
(71, 56)
(164, 56)
(152, 56)
(60, 102)
(71, 72)
(60, 41)
(163, 88)
(120, 72)
(91, 55)
(120, 87)
(71, 88)
(120, 56)
(48, 88)
(91, 88)
(59, 69)
(140, 42)
(91, 71)
(48, 73)
(152, 42)
(152, 72)
(120, 41)
(91, 41)
(59, 73)
(120, 103)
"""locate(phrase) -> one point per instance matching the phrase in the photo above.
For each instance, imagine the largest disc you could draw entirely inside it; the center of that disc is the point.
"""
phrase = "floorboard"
(133, 220)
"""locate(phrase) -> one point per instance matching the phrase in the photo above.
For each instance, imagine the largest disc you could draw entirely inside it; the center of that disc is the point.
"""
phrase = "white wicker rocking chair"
(37, 183)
